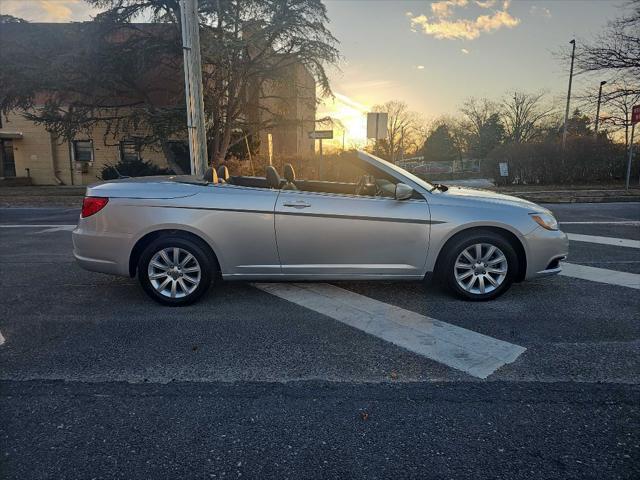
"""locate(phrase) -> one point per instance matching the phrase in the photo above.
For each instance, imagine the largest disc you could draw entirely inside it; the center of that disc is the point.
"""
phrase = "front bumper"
(545, 250)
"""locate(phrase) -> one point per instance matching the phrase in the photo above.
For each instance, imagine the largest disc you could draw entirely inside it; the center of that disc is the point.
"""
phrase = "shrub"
(585, 159)
(132, 168)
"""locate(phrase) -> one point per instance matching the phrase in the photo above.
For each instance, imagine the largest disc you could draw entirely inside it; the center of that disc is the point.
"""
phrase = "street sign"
(504, 169)
(635, 114)
(377, 125)
(321, 134)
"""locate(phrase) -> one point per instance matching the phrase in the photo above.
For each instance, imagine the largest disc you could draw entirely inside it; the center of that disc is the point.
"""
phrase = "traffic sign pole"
(635, 118)
(321, 135)
(633, 127)
(321, 161)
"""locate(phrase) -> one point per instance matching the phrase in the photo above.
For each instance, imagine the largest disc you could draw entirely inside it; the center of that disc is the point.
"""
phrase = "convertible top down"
(178, 233)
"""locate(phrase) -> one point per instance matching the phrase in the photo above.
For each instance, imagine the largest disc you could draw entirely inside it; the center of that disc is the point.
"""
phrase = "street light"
(566, 112)
(604, 82)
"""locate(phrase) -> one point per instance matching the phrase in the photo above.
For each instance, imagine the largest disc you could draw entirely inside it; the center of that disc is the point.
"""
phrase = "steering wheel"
(385, 188)
(364, 186)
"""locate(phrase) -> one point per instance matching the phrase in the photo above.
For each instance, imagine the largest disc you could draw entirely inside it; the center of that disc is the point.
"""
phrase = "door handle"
(297, 204)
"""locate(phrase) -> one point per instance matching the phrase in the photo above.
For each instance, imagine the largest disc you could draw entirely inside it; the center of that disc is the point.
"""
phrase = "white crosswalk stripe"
(618, 242)
(471, 352)
(623, 223)
(601, 275)
(69, 227)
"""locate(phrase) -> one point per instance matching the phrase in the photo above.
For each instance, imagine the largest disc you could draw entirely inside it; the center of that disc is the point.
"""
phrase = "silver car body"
(272, 234)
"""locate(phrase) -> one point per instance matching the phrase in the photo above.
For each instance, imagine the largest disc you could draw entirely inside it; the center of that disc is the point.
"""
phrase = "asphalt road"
(96, 381)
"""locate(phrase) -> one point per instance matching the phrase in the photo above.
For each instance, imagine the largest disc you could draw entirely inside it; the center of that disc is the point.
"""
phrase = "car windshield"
(373, 159)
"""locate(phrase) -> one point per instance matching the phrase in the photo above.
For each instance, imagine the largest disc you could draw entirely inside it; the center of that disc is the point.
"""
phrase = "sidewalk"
(572, 193)
(71, 196)
(42, 196)
(596, 193)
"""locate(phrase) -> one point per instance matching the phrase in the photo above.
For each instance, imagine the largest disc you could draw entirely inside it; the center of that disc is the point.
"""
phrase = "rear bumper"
(545, 250)
(99, 252)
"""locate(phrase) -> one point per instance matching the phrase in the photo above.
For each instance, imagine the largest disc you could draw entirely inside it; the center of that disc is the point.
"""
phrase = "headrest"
(223, 173)
(289, 173)
(210, 175)
(273, 179)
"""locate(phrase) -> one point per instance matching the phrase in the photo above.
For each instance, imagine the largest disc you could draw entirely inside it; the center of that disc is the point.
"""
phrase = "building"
(29, 150)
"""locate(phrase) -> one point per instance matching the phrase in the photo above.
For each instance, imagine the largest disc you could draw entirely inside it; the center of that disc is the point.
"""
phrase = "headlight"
(545, 220)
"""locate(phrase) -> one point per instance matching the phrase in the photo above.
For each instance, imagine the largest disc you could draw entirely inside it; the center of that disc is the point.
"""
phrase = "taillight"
(92, 205)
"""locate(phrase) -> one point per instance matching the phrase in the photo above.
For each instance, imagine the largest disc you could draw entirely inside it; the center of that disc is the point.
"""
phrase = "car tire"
(175, 270)
(478, 266)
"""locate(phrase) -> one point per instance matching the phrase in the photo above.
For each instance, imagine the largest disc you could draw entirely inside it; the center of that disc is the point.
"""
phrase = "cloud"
(57, 10)
(441, 25)
(540, 11)
(443, 8)
(348, 101)
(48, 10)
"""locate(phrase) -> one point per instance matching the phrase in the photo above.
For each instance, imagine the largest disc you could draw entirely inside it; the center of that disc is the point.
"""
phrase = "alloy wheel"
(174, 272)
(480, 268)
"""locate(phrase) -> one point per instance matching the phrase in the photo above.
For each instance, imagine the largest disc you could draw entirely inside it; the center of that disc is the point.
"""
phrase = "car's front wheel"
(479, 266)
(175, 271)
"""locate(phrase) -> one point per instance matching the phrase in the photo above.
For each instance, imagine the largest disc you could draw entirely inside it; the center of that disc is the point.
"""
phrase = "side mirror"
(403, 191)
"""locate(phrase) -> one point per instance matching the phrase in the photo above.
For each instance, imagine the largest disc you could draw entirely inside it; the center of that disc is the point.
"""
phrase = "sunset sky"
(432, 55)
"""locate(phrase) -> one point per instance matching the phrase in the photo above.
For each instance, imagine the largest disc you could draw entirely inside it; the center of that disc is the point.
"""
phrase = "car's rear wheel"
(175, 271)
(479, 266)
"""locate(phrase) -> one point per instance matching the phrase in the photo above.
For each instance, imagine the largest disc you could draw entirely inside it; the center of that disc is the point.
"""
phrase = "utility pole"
(193, 86)
(566, 112)
(604, 82)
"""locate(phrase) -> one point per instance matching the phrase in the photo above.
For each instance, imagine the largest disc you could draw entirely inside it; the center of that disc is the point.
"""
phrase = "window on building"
(83, 150)
(129, 150)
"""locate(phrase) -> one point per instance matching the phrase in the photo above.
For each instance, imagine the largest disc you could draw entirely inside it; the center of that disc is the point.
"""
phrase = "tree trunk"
(171, 159)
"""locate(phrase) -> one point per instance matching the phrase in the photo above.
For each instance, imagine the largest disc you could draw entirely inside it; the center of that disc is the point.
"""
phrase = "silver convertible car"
(180, 233)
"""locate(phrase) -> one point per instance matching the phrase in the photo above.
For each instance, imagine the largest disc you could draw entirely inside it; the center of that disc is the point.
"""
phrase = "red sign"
(635, 114)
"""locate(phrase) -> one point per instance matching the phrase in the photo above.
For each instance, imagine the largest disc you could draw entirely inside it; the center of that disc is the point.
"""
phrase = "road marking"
(602, 275)
(618, 242)
(61, 228)
(471, 352)
(1, 339)
(631, 223)
(58, 226)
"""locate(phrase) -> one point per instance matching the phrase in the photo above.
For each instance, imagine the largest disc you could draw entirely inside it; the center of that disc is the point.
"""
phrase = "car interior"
(369, 181)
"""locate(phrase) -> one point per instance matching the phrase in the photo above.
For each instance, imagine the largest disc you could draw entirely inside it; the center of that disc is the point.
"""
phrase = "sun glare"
(351, 115)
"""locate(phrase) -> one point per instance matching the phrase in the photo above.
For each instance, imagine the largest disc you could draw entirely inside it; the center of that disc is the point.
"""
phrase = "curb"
(578, 199)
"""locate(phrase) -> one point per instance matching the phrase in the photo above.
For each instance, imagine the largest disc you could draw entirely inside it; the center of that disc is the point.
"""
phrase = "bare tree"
(523, 115)
(477, 112)
(618, 98)
(481, 126)
(617, 49)
(402, 126)
(618, 103)
(101, 75)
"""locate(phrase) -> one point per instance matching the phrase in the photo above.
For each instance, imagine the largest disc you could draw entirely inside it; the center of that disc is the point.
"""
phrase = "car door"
(239, 223)
(348, 236)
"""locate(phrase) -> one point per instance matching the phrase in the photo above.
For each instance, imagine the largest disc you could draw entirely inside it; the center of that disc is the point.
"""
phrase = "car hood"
(463, 195)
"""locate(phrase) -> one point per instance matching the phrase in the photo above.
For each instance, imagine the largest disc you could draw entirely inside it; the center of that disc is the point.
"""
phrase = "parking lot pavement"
(245, 382)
